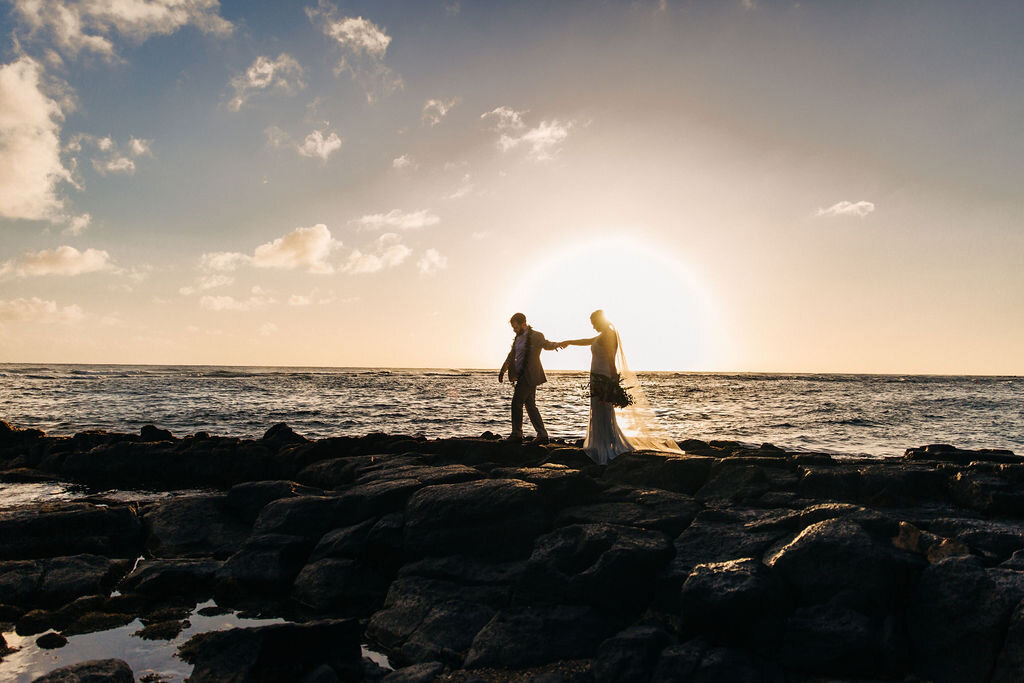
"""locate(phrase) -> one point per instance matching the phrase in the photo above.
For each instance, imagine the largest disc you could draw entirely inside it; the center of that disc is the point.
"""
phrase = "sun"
(663, 315)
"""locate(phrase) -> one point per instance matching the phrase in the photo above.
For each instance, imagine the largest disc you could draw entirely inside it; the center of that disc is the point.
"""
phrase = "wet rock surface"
(471, 559)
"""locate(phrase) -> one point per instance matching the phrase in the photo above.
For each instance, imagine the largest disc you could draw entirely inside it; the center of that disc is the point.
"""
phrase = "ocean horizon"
(851, 414)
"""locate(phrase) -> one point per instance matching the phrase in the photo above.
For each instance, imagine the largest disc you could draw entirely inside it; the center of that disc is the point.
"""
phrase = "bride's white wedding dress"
(640, 430)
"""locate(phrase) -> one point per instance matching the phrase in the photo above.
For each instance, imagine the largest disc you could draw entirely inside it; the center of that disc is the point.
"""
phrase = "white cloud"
(268, 329)
(859, 209)
(387, 252)
(403, 161)
(35, 309)
(542, 141)
(431, 262)
(228, 303)
(397, 218)
(276, 137)
(114, 165)
(207, 282)
(89, 24)
(364, 46)
(306, 248)
(481, 234)
(316, 145)
(223, 260)
(505, 118)
(283, 74)
(63, 260)
(435, 110)
(299, 300)
(78, 224)
(139, 146)
(464, 189)
(30, 156)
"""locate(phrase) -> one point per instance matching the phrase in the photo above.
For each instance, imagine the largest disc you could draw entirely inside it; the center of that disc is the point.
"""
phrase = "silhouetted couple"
(612, 386)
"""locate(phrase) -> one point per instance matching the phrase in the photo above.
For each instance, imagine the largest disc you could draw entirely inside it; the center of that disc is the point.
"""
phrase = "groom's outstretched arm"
(547, 345)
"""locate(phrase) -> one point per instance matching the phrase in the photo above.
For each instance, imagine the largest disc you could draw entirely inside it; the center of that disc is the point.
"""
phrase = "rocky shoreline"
(474, 560)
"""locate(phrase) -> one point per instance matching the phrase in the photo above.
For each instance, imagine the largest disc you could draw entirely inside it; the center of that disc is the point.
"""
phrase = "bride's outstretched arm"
(578, 342)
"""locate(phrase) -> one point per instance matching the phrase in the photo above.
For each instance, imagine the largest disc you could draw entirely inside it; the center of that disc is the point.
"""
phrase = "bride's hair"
(599, 316)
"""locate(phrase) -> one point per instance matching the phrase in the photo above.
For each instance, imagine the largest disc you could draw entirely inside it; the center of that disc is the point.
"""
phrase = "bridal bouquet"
(609, 390)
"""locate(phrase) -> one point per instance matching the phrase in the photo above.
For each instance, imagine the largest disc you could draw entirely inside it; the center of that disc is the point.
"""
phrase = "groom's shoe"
(540, 439)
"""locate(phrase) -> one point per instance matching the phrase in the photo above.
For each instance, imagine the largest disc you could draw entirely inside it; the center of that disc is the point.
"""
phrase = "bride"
(611, 389)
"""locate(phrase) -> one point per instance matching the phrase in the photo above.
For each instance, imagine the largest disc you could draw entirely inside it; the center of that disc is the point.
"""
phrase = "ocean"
(853, 415)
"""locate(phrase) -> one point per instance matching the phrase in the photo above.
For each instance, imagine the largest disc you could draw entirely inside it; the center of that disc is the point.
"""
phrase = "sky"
(745, 185)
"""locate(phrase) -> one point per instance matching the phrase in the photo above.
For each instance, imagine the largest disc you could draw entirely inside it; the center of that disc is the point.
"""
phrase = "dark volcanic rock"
(734, 601)
(58, 580)
(172, 577)
(347, 587)
(51, 641)
(69, 528)
(417, 673)
(987, 492)
(153, 433)
(684, 474)
(838, 557)
(93, 671)
(281, 435)
(1010, 664)
(829, 639)
(958, 456)
(474, 518)
(282, 652)
(663, 511)
(957, 620)
(520, 638)
(632, 654)
(193, 526)
(247, 499)
(265, 563)
(607, 566)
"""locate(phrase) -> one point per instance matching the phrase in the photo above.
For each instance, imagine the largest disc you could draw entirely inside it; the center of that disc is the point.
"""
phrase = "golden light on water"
(664, 315)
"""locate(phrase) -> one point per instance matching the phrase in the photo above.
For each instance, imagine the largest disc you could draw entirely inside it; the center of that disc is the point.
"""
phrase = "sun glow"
(663, 315)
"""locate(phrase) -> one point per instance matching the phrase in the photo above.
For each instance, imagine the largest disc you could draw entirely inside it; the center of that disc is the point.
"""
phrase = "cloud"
(435, 110)
(505, 118)
(223, 260)
(316, 145)
(452, 8)
(88, 25)
(63, 260)
(257, 299)
(78, 224)
(306, 248)
(114, 165)
(299, 300)
(139, 146)
(402, 220)
(364, 46)
(268, 329)
(859, 209)
(35, 309)
(431, 262)
(543, 141)
(387, 252)
(31, 168)
(403, 161)
(464, 189)
(283, 74)
(207, 282)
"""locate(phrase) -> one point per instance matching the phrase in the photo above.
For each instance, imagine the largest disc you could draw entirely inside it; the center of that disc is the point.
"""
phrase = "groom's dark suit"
(527, 374)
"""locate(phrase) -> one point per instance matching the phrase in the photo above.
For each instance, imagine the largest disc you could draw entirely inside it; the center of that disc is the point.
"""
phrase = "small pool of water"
(152, 660)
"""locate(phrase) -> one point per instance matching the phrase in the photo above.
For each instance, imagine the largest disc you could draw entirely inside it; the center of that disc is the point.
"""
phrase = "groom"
(524, 368)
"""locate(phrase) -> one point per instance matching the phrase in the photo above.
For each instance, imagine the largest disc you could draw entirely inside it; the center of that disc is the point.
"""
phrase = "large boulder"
(607, 566)
(734, 601)
(683, 474)
(161, 578)
(958, 619)
(494, 518)
(92, 671)
(532, 636)
(631, 655)
(1010, 663)
(57, 580)
(654, 509)
(837, 558)
(193, 526)
(247, 499)
(281, 652)
(832, 640)
(69, 528)
(340, 586)
(266, 563)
